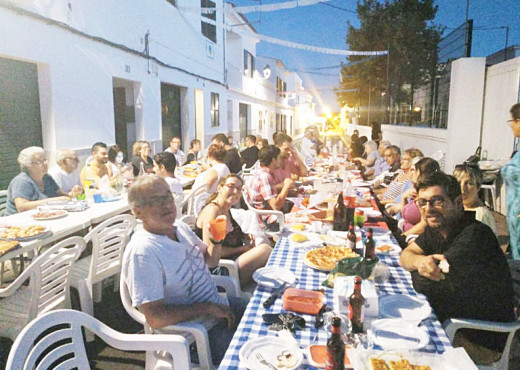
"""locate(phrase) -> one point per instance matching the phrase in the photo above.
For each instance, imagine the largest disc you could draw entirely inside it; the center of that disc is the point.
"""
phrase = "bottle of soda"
(357, 307)
(340, 215)
(351, 238)
(370, 246)
(335, 348)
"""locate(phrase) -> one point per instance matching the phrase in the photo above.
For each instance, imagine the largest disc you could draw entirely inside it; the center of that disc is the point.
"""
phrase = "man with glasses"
(65, 173)
(165, 267)
(175, 149)
(458, 264)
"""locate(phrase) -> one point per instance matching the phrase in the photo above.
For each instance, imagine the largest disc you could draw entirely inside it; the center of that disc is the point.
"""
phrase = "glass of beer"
(217, 228)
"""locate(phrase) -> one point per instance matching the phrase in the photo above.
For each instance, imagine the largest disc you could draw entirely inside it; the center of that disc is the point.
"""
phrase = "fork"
(263, 361)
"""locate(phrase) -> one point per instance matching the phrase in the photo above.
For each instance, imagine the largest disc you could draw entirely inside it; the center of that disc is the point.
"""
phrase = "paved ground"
(111, 312)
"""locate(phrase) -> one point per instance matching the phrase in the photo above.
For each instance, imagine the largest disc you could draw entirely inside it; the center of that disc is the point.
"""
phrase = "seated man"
(97, 168)
(164, 165)
(392, 157)
(65, 173)
(261, 189)
(231, 159)
(475, 282)
(166, 269)
(175, 149)
(309, 147)
(290, 162)
(250, 154)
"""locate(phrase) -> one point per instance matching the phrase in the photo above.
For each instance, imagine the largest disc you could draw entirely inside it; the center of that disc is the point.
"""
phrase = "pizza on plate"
(7, 245)
(325, 258)
(402, 364)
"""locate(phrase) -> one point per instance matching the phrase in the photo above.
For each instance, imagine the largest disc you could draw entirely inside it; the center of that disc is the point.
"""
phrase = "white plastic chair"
(451, 326)
(440, 157)
(189, 201)
(48, 288)
(193, 331)
(65, 349)
(259, 212)
(109, 240)
(3, 202)
(492, 189)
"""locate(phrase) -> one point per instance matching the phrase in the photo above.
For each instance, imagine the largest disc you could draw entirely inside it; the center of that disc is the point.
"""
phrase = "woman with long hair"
(242, 247)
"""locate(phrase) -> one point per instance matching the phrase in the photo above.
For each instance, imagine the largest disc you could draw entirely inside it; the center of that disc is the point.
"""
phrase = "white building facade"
(78, 72)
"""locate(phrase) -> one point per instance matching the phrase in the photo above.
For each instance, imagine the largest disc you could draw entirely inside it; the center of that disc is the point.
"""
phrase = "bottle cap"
(336, 321)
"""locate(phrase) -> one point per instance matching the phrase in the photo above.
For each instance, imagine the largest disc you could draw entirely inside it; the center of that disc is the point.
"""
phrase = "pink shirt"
(290, 166)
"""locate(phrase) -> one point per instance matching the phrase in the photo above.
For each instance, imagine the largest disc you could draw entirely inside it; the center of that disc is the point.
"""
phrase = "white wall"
(465, 109)
(428, 140)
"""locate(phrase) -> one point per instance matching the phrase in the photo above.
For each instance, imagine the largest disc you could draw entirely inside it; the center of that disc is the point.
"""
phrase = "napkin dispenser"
(343, 289)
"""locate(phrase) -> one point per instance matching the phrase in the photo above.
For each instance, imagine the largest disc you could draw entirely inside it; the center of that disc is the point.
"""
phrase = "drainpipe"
(483, 107)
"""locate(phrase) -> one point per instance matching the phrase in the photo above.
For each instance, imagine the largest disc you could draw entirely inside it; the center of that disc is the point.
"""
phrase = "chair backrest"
(199, 202)
(246, 199)
(109, 240)
(189, 201)
(3, 202)
(127, 303)
(55, 340)
(50, 276)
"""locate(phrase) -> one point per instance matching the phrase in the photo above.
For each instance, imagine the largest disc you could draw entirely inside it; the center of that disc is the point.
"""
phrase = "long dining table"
(289, 257)
(62, 227)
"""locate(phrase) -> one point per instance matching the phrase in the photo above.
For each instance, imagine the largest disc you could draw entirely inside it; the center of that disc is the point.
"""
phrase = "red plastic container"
(302, 301)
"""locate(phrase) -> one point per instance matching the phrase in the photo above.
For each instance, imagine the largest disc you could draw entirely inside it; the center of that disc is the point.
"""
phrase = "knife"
(277, 293)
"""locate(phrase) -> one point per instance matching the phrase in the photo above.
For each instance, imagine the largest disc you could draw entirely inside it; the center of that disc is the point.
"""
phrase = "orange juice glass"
(217, 228)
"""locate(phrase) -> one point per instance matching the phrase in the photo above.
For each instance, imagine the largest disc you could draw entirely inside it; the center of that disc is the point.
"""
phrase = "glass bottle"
(142, 172)
(351, 238)
(340, 215)
(335, 347)
(370, 246)
(357, 307)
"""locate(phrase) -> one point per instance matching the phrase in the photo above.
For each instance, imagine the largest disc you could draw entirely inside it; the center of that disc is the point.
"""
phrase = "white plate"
(294, 230)
(313, 240)
(406, 307)
(270, 348)
(395, 249)
(57, 214)
(272, 276)
(397, 334)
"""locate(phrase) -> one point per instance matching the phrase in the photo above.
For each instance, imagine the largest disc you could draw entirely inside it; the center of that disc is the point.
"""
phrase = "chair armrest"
(452, 325)
(279, 215)
(228, 283)
(232, 267)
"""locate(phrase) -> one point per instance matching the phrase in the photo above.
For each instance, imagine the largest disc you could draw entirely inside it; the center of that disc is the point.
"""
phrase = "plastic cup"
(80, 196)
(217, 228)
(97, 198)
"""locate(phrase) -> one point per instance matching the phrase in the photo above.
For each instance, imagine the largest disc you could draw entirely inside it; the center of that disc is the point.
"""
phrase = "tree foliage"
(405, 28)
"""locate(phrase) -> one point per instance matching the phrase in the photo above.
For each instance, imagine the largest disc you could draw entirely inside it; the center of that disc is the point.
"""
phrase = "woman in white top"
(217, 171)
(470, 179)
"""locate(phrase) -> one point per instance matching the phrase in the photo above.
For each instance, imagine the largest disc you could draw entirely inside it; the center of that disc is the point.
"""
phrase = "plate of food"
(278, 353)
(321, 216)
(49, 215)
(388, 249)
(301, 240)
(7, 246)
(298, 227)
(325, 258)
(24, 233)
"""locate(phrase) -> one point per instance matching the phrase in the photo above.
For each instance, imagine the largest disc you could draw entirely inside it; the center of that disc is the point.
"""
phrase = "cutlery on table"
(275, 295)
(263, 361)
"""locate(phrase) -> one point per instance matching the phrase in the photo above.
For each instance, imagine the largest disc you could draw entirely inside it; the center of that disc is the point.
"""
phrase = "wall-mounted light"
(266, 71)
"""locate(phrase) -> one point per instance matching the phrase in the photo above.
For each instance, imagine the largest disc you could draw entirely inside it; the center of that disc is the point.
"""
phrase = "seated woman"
(141, 151)
(374, 163)
(413, 223)
(33, 186)
(193, 153)
(470, 180)
(395, 188)
(237, 245)
(218, 169)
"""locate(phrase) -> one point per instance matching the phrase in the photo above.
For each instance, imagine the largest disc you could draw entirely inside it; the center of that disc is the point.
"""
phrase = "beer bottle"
(335, 348)
(370, 246)
(340, 215)
(351, 238)
(357, 307)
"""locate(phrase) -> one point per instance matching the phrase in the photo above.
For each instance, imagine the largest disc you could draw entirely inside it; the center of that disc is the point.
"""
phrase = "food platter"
(7, 246)
(49, 215)
(24, 233)
(325, 258)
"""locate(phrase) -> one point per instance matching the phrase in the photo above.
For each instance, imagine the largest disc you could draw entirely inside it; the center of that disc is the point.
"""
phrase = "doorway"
(124, 115)
(170, 113)
(243, 120)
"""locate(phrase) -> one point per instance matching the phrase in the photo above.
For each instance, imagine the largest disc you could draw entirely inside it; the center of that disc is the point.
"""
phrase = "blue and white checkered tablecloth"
(252, 326)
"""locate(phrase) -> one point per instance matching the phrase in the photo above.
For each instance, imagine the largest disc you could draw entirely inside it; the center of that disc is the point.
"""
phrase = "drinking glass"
(217, 228)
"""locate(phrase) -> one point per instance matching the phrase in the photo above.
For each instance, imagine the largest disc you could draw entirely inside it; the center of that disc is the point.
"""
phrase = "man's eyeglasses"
(40, 163)
(435, 201)
(233, 187)
(158, 200)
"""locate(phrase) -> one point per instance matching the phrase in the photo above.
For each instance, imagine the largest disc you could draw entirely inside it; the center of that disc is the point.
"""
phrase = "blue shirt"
(23, 186)
(511, 176)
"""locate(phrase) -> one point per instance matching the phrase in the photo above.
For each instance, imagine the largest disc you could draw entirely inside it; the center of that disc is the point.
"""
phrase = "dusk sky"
(325, 25)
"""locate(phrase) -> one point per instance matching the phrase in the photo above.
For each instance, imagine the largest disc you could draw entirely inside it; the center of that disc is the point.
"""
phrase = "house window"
(272, 120)
(208, 20)
(215, 121)
(281, 86)
(260, 120)
(249, 64)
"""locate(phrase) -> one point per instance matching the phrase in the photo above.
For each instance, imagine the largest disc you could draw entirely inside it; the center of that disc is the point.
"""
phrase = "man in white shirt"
(65, 173)
(309, 147)
(166, 269)
(175, 149)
